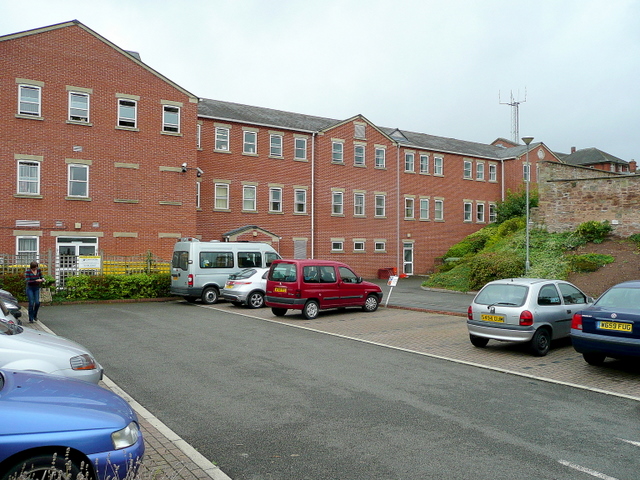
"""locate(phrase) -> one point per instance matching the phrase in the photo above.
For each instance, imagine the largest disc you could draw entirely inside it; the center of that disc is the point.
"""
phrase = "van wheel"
(210, 295)
(310, 310)
(370, 304)
(255, 300)
(279, 312)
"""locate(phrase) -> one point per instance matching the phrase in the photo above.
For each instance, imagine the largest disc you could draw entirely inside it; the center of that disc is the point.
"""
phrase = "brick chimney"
(573, 149)
(632, 166)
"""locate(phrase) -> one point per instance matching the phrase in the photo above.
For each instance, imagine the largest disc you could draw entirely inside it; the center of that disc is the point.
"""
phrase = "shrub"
(110, 287)
(635, 238)
(589, 262)
(487, 267)
(515, 205)
(593, 231)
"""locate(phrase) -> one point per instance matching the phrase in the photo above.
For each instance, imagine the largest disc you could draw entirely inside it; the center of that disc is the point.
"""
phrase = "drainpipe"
(313, 197)
(398, 211)
(502, 179)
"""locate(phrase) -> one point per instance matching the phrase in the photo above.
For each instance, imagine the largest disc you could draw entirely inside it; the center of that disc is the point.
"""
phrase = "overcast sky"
(440, 67)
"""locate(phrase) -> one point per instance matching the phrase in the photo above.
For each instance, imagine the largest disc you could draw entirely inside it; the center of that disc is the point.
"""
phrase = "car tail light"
(470, 313)
(576, 321)
(190, 280)
(526, 318)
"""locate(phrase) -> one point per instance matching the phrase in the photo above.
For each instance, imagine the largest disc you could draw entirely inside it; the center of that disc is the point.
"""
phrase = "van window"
(311, 274)
(216, 259)
(180, 260)
(327, 274)
(283, 272)
(269, 257)
(347, 275)
(249, 259)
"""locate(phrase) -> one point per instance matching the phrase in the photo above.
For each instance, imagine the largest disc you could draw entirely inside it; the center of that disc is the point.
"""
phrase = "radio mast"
(515, 114)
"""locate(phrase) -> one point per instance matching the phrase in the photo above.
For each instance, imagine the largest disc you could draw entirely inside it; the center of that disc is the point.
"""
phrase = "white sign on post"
(392, 282)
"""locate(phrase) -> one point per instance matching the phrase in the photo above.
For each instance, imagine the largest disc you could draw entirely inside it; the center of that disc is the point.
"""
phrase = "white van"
(201, 269)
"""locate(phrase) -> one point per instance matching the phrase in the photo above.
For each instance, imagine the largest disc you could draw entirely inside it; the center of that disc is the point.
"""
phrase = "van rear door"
(180, 272)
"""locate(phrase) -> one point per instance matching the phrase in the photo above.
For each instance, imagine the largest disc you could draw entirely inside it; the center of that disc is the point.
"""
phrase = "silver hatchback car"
(533, 310)
(246, 287)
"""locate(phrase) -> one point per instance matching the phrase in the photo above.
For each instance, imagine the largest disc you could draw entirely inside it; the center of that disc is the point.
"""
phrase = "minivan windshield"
(503, 294)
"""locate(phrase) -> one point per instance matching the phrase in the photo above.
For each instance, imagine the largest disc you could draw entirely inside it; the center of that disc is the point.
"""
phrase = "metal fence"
(63, 266)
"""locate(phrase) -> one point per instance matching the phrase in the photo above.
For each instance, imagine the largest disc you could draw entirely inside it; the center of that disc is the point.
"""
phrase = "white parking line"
(635, 444)
(588, 471)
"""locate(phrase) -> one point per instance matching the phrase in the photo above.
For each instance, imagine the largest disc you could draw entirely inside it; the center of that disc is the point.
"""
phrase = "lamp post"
(527, 141)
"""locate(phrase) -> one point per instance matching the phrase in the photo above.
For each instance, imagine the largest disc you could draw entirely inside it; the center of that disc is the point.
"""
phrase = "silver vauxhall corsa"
(533, 310)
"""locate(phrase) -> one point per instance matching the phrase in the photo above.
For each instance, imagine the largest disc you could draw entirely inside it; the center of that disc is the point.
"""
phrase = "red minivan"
(314, 285)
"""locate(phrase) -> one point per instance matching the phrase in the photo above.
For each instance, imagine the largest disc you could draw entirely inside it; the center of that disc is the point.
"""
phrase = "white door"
(407, 255)
(68, 249)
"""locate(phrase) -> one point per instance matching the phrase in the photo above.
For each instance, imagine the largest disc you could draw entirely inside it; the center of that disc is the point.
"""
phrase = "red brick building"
(97, 141)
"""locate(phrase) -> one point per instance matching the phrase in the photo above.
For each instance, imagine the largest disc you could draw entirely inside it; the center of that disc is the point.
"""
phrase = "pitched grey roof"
(591, 156)
(296, 121)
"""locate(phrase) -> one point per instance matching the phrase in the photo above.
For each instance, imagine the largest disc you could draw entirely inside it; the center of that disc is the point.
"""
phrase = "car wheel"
(210, 295)
(310, 310)
(255, 300)
(541, 342)
(279, 312)
(370, 304)
(479, 342)
(45, 466)
(595, 359)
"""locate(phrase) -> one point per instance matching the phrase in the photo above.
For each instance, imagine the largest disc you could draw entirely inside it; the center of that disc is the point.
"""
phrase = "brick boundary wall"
(570, 195)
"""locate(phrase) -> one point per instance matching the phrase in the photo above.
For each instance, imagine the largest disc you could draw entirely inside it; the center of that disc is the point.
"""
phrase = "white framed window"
(28, 178)
(379, 246)
(198, 136)
(381, 201)
(424, 209)
(424, 164)
(526, 172)
(275, 145)
(222, 139)
(439, 210)
(198, 194)
(468, 212)
(79, 107)
(249, 198)
(27, 249)
(337, 152)
(337, 203)
(127, 113)
(358, 155)
(467, 170)
(30, 100)
(171, 118)
(275, 199)
(358, 204)
(337, 245)
(409, 204)
(300, 148)
(493, 212)
(409, 162)
(249, 142)
(78, 180)
(300, 201)
(480, 212)
(221, 196)
(381, 161)
(359, 246)
(493, 172)
(480, 171)
(438, 166)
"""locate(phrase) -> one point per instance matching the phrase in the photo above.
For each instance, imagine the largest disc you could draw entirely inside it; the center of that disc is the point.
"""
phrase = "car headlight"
(83, 362)
(126, 437)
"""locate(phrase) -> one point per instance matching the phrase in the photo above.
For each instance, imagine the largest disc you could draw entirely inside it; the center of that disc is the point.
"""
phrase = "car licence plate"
(492, 318)
(228, 286)
(616, 326)
(280, 289)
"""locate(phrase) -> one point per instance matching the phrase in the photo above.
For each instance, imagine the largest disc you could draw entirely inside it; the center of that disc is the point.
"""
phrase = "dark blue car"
(76, 426)
(611, 326)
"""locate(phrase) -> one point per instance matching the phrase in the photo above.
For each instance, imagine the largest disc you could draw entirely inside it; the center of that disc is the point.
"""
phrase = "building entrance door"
(407, 255)
(68, 249)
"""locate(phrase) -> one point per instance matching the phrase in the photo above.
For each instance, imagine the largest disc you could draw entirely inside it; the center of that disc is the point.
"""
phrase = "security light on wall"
(184, 167)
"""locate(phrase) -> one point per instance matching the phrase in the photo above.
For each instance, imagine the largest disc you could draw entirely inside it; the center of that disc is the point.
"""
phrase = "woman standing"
(34, 279)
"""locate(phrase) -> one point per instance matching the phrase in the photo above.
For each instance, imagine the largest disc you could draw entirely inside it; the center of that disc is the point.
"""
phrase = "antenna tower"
(515, 114)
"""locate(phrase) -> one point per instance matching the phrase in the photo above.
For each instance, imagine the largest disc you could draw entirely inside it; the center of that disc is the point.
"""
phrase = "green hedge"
(97, 287)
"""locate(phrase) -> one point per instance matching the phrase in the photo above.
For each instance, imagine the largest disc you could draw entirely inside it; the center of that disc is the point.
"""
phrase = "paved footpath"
(421, 329)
